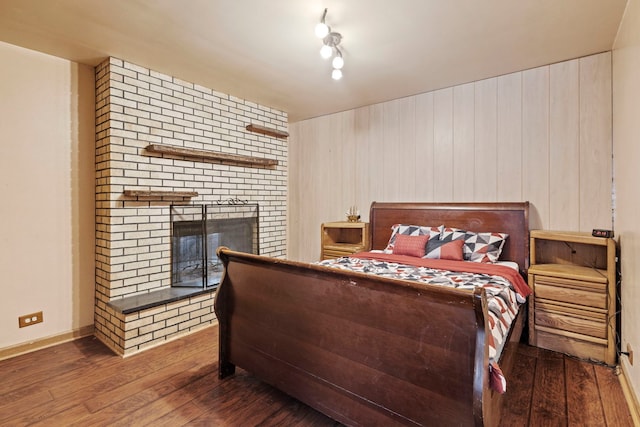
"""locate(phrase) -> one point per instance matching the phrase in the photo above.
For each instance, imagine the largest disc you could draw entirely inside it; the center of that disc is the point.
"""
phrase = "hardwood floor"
(81, 383)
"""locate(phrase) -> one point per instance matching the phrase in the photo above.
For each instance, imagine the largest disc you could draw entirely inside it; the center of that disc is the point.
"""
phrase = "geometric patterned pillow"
(478, 247)
(441, 249)
(411, 245)
(449, 234)
(411, 230)
(484, 247)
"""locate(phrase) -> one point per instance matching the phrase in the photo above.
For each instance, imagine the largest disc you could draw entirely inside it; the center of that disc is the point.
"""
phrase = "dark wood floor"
(82, 383)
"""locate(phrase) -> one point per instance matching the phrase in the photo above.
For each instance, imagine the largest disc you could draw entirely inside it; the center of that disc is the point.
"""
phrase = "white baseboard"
(41, 343)
(629, 394)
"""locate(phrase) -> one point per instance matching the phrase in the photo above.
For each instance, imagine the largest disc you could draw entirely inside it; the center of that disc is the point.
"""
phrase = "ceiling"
(265, 51)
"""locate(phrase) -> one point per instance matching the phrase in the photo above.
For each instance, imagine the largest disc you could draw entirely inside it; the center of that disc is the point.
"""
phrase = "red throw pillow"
(452, 250)
(410, 245)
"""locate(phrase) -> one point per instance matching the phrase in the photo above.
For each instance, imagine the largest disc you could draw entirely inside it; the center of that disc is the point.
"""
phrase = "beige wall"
(626, 146)
(46, 187)
(542, 135)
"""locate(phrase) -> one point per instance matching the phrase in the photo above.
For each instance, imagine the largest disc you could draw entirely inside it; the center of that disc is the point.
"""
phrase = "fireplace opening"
(196, 233)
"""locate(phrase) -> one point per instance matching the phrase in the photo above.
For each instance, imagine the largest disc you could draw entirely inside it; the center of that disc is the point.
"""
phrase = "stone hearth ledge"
(132, 304)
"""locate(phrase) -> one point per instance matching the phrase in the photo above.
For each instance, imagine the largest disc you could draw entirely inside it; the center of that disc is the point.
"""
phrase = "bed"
(370, 350)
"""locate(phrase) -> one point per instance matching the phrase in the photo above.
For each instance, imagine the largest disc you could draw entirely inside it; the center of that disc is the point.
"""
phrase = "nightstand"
(343, 238)
(573, 308)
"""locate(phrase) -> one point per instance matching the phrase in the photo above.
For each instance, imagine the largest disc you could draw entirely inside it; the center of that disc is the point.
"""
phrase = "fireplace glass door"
(196, 233)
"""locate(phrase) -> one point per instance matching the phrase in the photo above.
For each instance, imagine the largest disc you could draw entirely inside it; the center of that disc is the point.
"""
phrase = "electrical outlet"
(30, 319)
(630, 353)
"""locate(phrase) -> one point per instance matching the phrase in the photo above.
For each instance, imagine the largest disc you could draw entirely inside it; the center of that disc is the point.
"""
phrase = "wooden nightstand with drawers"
(573, 308)
(343, 238)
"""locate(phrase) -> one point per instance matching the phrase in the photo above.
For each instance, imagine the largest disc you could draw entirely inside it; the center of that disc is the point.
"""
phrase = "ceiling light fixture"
(330, 42)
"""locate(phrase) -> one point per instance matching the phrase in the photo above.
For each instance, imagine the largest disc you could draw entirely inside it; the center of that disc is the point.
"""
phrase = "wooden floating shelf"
(195, 153)
(159, 193)
(267, 131)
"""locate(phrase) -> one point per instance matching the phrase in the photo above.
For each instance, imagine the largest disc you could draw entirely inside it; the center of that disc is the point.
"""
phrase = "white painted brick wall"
(136, 107)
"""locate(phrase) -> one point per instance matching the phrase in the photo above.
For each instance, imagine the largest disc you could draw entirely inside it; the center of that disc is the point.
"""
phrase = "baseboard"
(41, 343)
(629, 394)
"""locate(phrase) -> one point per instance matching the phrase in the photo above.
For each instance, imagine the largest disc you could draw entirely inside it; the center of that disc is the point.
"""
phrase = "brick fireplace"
(137, 111)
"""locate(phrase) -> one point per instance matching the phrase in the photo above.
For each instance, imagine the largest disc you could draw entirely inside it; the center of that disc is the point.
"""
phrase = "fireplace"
(196, 233)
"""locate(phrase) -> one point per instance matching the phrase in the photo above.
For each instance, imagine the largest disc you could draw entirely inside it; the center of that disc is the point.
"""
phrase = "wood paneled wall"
(542, 135)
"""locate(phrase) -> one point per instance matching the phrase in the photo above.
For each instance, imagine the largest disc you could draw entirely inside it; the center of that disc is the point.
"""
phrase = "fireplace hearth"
(196, 233)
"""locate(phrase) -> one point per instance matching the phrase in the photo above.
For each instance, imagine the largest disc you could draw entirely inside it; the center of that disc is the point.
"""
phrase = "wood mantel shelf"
(159, 193)
(194, 153)
(267, 131)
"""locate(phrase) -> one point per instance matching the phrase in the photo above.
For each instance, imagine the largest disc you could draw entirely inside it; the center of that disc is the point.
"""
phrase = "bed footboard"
(363, 350)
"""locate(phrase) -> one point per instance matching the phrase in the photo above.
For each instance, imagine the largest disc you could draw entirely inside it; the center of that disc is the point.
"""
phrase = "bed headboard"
(508, 217)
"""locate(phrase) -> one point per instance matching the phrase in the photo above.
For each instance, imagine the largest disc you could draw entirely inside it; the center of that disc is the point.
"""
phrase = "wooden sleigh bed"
(368, 350)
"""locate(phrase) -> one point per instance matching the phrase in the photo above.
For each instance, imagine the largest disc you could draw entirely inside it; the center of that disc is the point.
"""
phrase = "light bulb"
(321, 30)
(338, 62)
(336, 74)
(326, 51)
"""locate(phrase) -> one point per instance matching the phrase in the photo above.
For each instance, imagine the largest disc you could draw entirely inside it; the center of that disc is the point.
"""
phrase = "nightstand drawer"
(572, 319)
(337, 253)
(581, 293)
(332, 254)
(572, 345)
